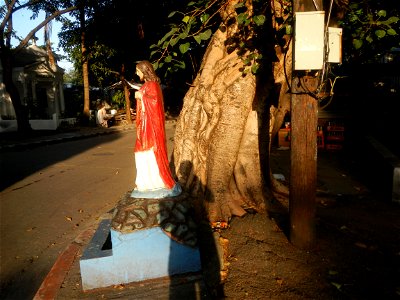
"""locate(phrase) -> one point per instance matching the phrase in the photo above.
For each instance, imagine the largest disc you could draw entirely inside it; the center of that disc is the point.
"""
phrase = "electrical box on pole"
(309, 40)
(335, 45)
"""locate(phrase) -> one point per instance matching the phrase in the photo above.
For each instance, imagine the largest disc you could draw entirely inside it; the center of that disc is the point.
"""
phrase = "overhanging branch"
(37, 28)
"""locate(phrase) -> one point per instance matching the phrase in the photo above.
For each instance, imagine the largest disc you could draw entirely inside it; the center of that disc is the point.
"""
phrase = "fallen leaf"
(68, 218)
(279, 280)
(80, 210)
(119, 286)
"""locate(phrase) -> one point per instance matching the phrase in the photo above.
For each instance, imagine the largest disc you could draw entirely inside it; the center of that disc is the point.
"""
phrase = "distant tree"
(117, 33)
(54, 10)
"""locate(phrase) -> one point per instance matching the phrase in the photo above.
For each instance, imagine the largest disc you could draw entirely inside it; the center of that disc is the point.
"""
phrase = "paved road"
(49, 194)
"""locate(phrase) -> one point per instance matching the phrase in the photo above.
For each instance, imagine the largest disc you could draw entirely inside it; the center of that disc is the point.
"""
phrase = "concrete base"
(117, 257)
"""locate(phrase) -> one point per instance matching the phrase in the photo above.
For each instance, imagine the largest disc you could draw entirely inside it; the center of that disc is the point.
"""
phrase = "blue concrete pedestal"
(118, 257)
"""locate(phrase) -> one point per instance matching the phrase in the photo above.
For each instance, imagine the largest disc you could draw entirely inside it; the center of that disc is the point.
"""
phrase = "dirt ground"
(357, 255)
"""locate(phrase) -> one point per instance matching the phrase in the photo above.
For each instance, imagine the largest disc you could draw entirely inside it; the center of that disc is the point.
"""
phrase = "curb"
(71, 136)
(62, 138)
(57, 274)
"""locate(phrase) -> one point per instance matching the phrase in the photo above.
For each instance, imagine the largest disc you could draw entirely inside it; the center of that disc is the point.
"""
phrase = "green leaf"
(289, 29)
(170, 33)
(391, 20)
(380, 33)
(246, 62)
(191, 3)
(333, 272)
(369, 39)
(174, 41)
(181, 64)
(153, 52)
(187, 29)
(184, 47)
(197, 38)
(336, 285)
(241, 18)
(382, 13)
(186, 19)
(183, 35)
(206, 34)
(171, 14)
(204, 18)
(353, 18)
(357, 43)
(155, 65)
(168, 59)
(254, 68)
(391, 31)
(259, 20)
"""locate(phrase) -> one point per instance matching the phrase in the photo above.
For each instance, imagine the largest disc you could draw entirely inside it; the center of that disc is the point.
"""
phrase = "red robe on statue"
(150, 124)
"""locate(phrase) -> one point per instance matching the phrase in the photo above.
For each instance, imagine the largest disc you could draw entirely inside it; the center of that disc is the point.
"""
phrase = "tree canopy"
(371, 29)
(174, 37)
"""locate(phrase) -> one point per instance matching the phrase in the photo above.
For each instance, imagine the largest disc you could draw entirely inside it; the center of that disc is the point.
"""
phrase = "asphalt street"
(52, 192)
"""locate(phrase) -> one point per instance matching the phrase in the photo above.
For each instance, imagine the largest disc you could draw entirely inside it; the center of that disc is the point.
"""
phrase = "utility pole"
(303, 169)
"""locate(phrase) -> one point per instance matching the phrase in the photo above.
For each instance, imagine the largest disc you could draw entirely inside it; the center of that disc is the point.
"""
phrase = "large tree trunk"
(222, 135)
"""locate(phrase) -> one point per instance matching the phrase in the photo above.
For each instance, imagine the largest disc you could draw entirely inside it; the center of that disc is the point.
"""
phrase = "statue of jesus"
(153, 175)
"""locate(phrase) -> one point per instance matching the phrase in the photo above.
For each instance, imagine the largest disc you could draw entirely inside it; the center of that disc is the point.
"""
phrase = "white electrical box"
(335, 45)
(309, 40)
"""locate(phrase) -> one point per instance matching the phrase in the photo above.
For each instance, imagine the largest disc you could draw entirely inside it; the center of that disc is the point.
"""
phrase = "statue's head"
(147, 70)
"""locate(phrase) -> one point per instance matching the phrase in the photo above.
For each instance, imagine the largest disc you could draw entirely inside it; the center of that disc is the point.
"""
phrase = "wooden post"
(303, 168)
(303, 172)
(126, 94)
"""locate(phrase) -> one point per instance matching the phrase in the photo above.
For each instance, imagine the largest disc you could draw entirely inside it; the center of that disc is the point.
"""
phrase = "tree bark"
(85, 67)
(222, 135)
(126, 95)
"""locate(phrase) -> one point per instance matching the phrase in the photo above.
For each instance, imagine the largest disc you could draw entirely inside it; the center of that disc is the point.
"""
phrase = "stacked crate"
(334, 135)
